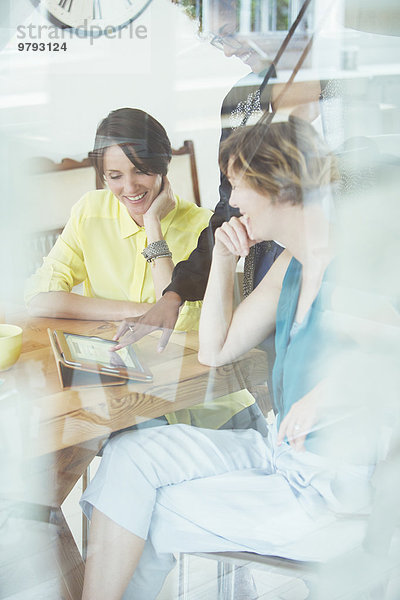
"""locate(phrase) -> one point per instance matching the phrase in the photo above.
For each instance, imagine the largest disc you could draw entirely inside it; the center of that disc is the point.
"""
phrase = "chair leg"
(183, 577)
(233, 581)
(226, 581)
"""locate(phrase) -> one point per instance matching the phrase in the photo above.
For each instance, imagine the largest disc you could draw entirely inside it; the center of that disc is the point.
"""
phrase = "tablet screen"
(97, 350)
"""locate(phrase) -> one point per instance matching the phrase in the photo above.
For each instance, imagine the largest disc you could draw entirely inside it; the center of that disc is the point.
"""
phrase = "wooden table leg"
(69, 560)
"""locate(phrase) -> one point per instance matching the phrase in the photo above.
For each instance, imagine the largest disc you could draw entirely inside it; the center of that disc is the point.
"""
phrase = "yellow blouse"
(101, 246)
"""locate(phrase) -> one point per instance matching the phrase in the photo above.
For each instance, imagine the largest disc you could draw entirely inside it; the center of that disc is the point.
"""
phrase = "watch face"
(93, 16)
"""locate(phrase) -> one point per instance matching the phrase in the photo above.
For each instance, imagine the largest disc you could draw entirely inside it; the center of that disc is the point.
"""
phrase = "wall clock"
(92, 16)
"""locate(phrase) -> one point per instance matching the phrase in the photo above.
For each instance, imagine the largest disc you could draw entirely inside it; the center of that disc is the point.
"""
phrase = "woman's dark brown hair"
(141, 137)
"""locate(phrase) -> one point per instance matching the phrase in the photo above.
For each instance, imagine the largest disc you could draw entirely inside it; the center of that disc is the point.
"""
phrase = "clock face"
(96, 15)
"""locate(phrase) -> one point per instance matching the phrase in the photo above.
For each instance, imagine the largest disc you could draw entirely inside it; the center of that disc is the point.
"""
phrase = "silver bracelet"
(157, 250)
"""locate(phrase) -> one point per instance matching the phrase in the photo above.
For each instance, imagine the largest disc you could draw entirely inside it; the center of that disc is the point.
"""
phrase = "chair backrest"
(54, 189)
(182, 173)
(39, 245)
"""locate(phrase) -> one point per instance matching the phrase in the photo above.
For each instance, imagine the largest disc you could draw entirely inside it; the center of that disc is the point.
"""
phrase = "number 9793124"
(42, 47)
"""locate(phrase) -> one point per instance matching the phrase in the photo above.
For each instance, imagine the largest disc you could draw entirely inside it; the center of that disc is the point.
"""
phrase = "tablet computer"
(92, 353)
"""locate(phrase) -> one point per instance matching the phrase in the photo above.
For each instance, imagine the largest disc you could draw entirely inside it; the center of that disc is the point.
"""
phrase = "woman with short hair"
(236, 490)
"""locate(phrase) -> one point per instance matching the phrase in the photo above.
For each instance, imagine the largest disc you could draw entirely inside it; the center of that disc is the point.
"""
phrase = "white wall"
(172, 74)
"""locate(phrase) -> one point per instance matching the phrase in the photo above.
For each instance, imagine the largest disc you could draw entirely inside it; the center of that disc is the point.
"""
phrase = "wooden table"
(60, 431)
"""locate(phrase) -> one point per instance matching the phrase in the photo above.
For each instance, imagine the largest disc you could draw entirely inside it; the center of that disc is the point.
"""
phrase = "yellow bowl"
(10, 345)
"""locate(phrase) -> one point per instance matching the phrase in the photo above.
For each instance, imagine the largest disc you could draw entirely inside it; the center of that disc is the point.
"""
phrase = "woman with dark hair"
(236, 490)
(121, 242)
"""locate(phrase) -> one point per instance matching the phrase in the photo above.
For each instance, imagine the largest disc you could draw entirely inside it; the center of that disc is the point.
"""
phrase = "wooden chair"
(40, 245)
(54, 189)
(182, 173)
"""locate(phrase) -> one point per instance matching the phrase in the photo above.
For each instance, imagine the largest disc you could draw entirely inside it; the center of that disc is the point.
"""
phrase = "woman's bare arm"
(162, 268)
(68, 305)
(226, 334)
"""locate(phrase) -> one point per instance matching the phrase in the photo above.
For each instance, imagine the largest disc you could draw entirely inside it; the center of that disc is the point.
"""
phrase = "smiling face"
(133, 188)
(251, 48)
(266, 218)
(273, 168)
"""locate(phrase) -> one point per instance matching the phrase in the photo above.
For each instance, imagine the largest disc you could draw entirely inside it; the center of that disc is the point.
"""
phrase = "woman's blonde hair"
(285, 159)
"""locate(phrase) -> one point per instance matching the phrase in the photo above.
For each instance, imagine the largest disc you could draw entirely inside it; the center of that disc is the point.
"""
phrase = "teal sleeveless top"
(302, 359)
